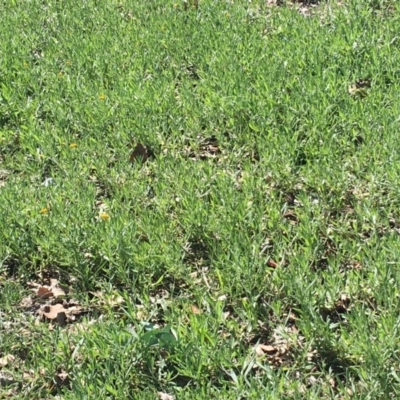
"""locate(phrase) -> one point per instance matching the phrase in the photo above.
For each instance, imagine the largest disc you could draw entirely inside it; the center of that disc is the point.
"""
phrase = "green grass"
(268, 213)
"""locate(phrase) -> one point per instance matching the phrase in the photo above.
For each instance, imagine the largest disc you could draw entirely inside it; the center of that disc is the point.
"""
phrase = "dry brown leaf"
(165, 396)
(51, 312)
(57, 289)
(359, 88)
(193, 4)
(312, 380)
(24, 332)
(6, 380)
(8, 358)
(139, 152)
(291, 217)
(258, 351)
(58, 309)
(140, 315)
(262, 349)
(49, 291)
(268, 349)
(195, 310)
(111, 300)
(26, 302)
(53, 282)
(271, 263)
(75, 309)
(44, 293)
(356, 265)
(28, 376)
(207, 148)
(58, 292)
(62, 378)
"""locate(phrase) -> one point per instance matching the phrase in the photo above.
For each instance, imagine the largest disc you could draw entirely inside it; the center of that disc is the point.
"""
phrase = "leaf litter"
(165, 396)
(278, 350)
(5, 360)
(50, 302)
(140, 153)
(359, 88)
(3, 177)
(53, 290)
(206, 148)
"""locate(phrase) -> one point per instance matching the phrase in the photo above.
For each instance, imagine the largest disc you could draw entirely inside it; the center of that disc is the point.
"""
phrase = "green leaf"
(160, 337)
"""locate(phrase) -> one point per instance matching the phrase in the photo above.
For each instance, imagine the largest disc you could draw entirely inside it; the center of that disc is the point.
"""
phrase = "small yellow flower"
(60, 74)
(73, 145)
(104, 216)
(44, 210)
(102, 97)
(68, 62)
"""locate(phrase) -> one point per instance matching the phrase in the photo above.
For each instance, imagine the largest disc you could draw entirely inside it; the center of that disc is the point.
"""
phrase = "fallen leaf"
(208, 148)
(62, 379)
(74, 310)
(165, 396)
(258, 351)
(6, 359)
(48, 291)
(359, 88)
(271, 263)
(312, 380)
(3, 177)
(57, 289)
(26, 302)
(356, 265)
(28, 376)
(195, 310)
(51, 312)
(262, 349)
(24, 332)
(6, 380)
(194, 4)
(44, 293)
(139, 152)
(111, 300)
(58, 292)
(60, 310)
(291, 216)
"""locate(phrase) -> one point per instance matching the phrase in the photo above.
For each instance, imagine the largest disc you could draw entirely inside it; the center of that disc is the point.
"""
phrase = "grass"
(253, 254)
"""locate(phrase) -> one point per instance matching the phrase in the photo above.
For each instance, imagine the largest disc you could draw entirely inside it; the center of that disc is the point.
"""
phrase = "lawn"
(199, 202)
